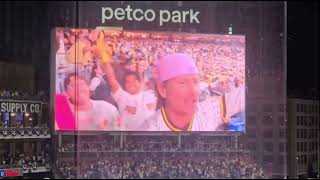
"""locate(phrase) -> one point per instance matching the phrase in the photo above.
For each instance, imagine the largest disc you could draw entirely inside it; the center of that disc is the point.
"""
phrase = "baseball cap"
(174, 65)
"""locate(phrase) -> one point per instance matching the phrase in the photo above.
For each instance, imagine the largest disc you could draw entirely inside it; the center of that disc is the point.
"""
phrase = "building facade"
(26, 39)
(303, 118)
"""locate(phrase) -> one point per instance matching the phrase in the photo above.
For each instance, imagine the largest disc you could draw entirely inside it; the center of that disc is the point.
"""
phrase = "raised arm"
(105, 53)
(114, 84)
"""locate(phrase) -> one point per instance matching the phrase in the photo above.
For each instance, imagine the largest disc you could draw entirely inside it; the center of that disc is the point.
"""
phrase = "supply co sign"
(19, 106)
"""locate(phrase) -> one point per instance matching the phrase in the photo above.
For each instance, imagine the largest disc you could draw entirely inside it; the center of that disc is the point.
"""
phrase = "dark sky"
(303, 55)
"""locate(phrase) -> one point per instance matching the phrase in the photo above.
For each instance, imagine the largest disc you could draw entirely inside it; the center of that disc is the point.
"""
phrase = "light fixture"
(13, 132)
(38, 132)
(5, 133)
(22, 132)
(30, 132)
(230, 29)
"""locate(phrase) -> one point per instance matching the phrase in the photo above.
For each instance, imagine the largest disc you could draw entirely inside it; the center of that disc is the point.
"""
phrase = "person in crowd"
(218, 60)
(99, 87)
(134, 104)
(77, 111)
(178, 87)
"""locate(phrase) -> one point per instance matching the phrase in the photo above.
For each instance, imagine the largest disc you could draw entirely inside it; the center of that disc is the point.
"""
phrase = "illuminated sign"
(11, 172)
(10, 106)
(211, 78)
(149, 15)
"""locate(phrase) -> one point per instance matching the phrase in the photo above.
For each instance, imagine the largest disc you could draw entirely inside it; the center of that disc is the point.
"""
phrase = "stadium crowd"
(168, 165)
(21, 160)
(160, 157)
(140, 143)
(220, 60)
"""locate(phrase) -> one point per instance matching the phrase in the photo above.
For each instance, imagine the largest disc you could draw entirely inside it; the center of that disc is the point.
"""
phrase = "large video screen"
(119, 80)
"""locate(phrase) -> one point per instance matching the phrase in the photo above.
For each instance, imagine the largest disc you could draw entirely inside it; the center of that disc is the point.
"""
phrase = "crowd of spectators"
(168, 165)
(220, 59)
(25, 161)
(221, 64)
(153, 144)
(160, 157)
(66, 168)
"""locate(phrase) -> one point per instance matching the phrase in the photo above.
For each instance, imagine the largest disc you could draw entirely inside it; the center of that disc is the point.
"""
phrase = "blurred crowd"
(169, 165)
(153, 144)
(66, 169)
(25, 161)
(220, 60)
(161, 157)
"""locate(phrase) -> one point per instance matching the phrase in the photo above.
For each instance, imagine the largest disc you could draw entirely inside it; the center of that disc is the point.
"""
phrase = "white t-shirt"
(134, 108)
(101, 113)
(95, 82)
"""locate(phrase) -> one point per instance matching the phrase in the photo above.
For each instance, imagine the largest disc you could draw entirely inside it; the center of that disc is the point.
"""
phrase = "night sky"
(302, 51)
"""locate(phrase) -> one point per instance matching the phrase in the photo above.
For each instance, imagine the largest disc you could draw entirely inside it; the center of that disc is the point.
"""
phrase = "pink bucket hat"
(174, 65)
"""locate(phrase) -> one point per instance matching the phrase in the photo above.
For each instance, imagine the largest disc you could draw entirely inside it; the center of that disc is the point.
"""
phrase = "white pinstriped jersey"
(203, 120)
(209, 115)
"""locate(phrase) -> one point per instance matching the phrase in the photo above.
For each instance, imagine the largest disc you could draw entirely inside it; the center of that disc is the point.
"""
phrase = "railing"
(164, 151)
(29, 168)
(25, 132)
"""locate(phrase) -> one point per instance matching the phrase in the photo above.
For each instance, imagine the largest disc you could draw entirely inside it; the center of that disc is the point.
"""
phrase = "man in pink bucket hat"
(178, 89)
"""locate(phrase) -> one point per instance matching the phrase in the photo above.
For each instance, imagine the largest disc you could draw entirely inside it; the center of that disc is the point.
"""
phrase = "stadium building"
(262, 147)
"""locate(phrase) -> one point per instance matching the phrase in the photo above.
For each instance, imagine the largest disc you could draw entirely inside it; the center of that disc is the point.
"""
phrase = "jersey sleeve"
(120, 96)
(235, 101)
